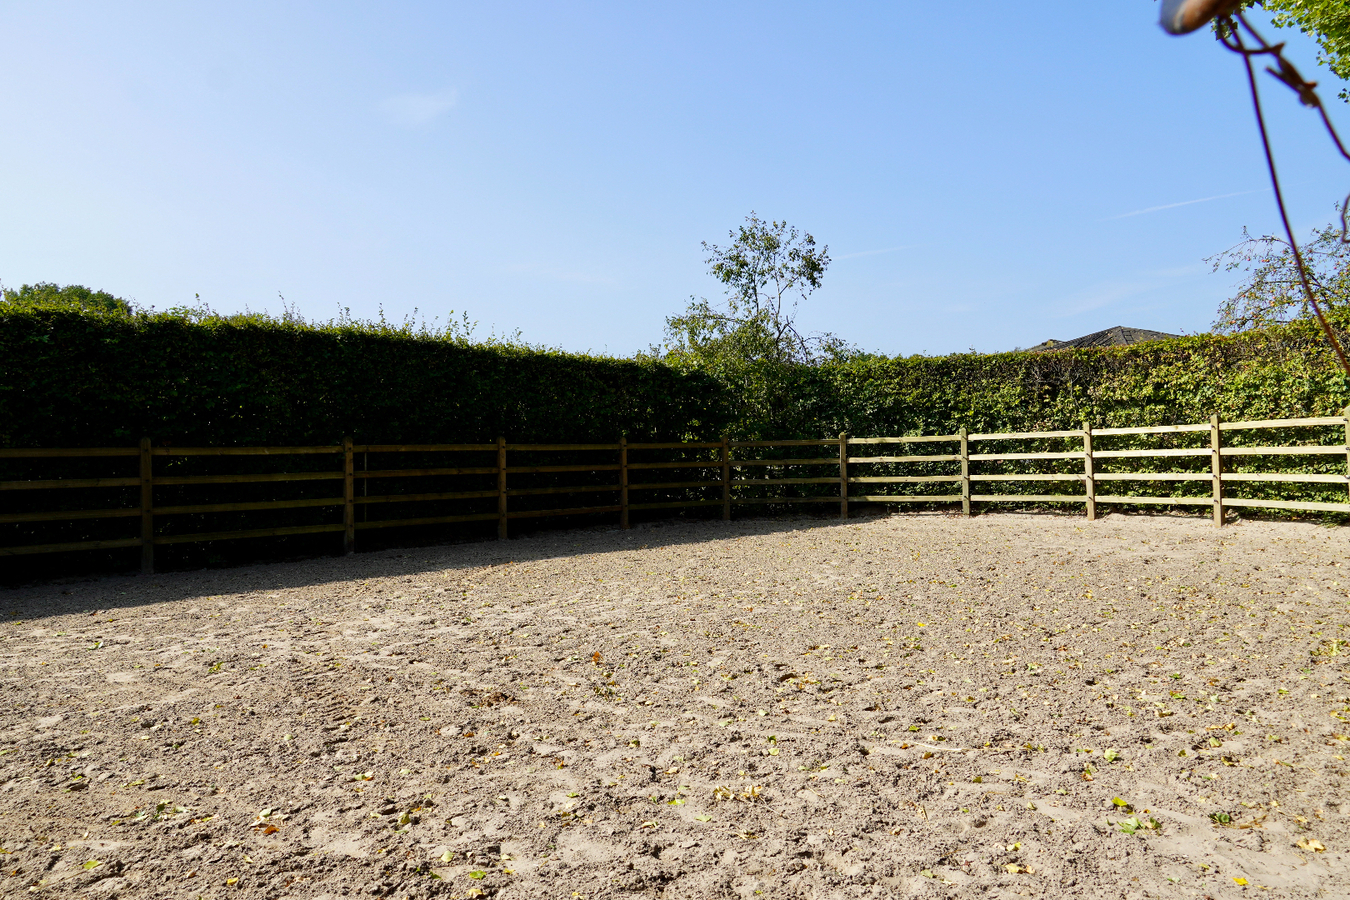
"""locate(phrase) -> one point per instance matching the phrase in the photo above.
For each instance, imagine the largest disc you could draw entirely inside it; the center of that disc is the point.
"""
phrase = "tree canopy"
(1325, 21)
(766, 271)
(1270, 291)
(71, 295)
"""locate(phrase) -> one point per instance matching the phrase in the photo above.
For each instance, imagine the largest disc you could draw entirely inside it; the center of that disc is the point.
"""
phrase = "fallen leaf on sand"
(1312, 844)
(1132, 824)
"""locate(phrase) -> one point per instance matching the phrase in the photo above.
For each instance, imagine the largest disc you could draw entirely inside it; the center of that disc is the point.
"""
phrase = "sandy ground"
(914, 706)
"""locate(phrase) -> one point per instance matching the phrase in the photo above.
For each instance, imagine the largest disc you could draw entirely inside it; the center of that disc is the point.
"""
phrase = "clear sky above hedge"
(988, 180)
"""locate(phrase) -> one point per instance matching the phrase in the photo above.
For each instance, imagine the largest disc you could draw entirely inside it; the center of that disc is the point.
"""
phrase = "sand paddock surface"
(910, 706)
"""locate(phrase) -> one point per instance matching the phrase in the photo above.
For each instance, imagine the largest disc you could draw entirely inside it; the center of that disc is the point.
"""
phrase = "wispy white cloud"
(1109, 293)
(877, 252)
(1151, 209)
(418, 109)
(573, 276)
(1103, 295)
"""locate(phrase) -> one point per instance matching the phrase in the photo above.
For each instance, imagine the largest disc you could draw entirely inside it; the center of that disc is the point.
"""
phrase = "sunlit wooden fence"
(148, 496)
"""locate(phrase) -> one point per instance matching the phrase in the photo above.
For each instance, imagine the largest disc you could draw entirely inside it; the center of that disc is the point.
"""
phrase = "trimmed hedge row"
(1281, 372)
(73, 378)
(79, 378)
(82, 378)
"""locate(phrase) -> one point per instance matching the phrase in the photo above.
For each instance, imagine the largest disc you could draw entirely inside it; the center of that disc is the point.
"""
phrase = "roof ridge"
(1112, 336)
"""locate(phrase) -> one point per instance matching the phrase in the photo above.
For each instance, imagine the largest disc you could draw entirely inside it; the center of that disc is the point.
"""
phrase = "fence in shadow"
(134, 499)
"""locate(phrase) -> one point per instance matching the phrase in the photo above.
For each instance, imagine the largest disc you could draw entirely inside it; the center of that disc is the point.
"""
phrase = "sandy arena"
(911, 706)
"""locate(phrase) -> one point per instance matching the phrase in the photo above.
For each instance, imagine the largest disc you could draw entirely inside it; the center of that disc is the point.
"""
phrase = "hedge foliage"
(1281, 372)
(71, 377)
(77, 377)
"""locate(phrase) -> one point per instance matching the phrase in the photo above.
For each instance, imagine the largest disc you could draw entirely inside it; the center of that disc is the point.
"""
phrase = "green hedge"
(81, 378)
(1281, 372)
(72, 378)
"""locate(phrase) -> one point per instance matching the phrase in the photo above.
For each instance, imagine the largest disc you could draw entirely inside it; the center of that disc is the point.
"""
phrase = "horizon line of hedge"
(73, 377)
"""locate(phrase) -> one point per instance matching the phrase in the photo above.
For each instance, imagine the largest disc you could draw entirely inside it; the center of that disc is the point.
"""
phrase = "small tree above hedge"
(75, 296)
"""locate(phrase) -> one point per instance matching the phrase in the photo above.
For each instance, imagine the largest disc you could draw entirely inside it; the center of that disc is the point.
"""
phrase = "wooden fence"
(518, 481)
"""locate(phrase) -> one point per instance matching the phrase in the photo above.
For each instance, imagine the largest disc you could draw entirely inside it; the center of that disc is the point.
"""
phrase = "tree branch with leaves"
(767, 270)
(1270, 291)
(1325, 21)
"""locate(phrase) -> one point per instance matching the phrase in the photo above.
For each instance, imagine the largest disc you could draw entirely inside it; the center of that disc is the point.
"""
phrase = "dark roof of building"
(1119, 336)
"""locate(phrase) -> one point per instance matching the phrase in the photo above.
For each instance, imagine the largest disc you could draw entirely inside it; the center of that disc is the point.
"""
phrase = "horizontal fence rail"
(386, 486)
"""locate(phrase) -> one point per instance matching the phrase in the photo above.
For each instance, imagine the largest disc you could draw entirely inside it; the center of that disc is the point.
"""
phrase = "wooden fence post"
(726, 479)
(1216, 466)
(843, 474)
(965, 470)
(1347, 446)
(348, 497)
(623, 482)
(1089, 472)
(501, 488)
(147, 509)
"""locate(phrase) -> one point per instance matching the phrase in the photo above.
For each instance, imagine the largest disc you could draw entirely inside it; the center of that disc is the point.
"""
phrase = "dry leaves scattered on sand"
(905, 706)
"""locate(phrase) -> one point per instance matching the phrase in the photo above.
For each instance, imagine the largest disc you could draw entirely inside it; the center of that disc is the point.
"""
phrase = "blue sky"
(986, 174)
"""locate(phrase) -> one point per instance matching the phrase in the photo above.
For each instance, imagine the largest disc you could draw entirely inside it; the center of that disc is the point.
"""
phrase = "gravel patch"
(913, 706)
